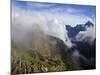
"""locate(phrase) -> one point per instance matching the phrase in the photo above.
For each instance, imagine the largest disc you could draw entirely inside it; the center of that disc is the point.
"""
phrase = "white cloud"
(74, 19)
(24, 21)
(69, 19)
(86, 36)
(50, 23)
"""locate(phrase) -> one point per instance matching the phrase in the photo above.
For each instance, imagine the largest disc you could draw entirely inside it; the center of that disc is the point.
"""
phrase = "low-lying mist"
(28, 22)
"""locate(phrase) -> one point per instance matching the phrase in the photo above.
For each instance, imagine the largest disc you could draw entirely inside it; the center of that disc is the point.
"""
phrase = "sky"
(50, 18)
(71, 13)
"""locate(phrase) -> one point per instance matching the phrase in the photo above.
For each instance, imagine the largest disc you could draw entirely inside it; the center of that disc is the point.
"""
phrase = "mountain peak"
(89, 23)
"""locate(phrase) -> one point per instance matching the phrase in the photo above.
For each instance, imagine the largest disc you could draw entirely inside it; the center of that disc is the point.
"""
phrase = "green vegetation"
(23, 62)
(43, 56)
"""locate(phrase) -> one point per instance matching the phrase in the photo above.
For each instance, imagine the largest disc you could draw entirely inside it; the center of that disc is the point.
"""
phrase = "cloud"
(57, 28)
(69, 18)
(87, 36)
(50, 22)
(24, 21)
(67, 14)
(74, 19)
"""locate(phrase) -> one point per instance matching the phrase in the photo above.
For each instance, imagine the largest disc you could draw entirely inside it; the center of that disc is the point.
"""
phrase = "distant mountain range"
(85, 51)
(73, 31)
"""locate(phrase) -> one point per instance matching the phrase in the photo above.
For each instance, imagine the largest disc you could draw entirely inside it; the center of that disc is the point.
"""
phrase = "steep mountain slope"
(40, 53)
